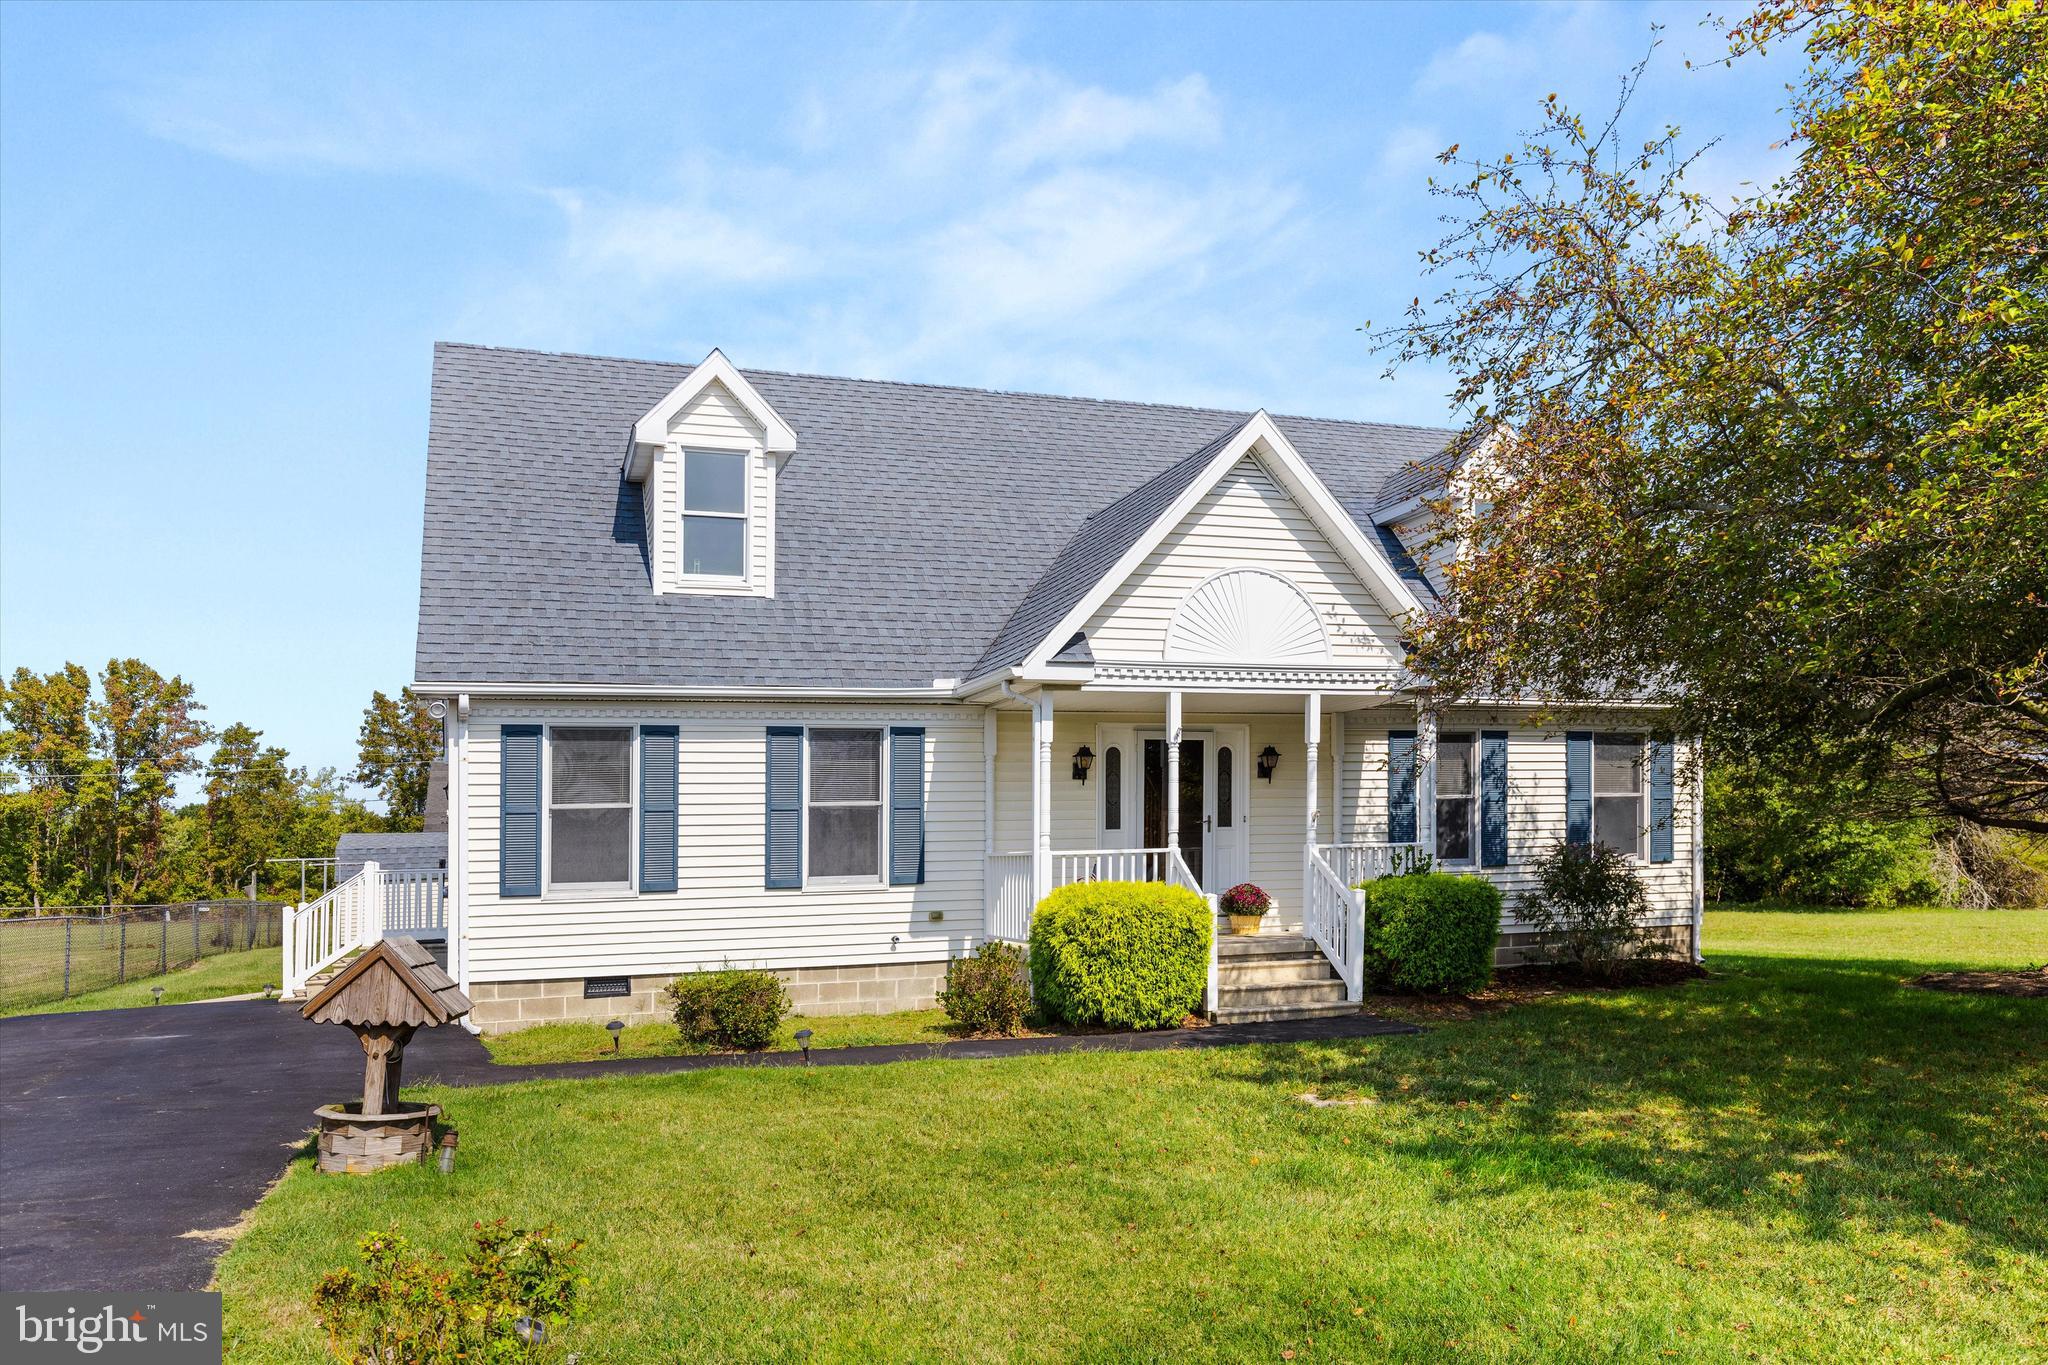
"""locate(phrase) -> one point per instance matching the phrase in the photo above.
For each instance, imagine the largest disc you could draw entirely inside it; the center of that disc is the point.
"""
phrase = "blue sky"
(229, 237)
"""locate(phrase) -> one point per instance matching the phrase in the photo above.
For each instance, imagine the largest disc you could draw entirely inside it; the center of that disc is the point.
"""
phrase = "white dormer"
(707, 456)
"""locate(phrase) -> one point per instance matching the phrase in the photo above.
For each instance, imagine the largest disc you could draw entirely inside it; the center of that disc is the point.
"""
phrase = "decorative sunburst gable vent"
(1247, 616)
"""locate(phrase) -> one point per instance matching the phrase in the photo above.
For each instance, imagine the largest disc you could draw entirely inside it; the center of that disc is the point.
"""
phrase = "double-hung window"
(590, 807)
(844, 816)
(1457, 798)
(714, 514)
(1618, 792)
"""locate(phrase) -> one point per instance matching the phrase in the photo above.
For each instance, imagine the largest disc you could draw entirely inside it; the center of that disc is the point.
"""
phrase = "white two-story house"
(839, 677)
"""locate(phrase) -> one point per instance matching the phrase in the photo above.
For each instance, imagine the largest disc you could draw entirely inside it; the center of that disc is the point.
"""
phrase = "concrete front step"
(1259, 1014)
(1271, 971)
(1232, 996)
(1263, 945)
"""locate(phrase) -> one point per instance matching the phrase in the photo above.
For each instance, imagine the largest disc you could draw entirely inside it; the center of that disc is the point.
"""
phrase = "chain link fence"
(52, 957)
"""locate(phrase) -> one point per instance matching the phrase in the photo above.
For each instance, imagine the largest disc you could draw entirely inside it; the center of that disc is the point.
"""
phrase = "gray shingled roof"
(912, 523)
(392, 852)
(1422, 477)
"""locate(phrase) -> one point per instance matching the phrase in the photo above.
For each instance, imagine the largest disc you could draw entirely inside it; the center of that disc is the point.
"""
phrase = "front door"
(1213, 825)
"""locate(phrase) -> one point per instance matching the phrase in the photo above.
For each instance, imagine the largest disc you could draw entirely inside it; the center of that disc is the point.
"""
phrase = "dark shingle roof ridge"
(1095, 546)
(1196, 408)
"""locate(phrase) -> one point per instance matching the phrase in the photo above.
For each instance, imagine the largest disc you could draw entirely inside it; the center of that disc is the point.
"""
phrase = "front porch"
(1201, 790)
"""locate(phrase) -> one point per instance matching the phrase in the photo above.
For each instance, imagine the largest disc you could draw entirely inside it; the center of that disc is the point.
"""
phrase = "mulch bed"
(2032, 983)
(1518, 985)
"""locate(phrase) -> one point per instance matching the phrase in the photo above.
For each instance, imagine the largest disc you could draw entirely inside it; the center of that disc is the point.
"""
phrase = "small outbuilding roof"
(392, 852)
(396, 981)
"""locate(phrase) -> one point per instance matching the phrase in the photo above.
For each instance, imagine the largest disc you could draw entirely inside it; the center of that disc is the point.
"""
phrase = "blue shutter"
(658, 807)
(1578, 787)
(519, 810)
(1493, 798)
(1400, 786)
(1661, 765)
(906, 807)
(785, 835)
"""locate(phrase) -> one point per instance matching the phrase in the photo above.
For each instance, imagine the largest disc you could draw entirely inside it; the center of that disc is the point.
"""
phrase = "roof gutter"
(660, 690)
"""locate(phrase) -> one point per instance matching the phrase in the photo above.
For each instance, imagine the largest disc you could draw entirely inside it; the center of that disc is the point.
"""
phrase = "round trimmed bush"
(1431, 932)
(1122, 954)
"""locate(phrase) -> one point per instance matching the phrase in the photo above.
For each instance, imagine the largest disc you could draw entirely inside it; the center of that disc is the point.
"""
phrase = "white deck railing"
(1333, 914)
(354, 915)
(1355, 863)
(416, 904)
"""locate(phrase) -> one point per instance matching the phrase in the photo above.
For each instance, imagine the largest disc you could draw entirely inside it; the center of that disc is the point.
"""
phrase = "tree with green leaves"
(396, 748)
(252, 800)
(46, 750)
(1780, 460)
(148, 732)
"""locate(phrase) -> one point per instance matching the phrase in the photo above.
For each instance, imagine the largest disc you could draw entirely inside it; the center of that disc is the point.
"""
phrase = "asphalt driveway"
(126, 1135)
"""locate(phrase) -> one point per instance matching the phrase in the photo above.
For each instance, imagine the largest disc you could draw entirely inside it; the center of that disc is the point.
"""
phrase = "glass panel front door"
(1193, 761)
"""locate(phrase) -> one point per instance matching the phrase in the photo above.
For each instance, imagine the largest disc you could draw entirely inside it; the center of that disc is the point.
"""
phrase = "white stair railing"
(1334, 915)
(345, 920)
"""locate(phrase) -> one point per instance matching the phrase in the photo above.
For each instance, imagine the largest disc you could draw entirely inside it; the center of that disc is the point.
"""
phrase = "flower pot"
(1246, 924)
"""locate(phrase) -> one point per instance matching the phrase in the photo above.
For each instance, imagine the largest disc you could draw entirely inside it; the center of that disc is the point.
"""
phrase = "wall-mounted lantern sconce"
(1084, 759)
(1269, 759)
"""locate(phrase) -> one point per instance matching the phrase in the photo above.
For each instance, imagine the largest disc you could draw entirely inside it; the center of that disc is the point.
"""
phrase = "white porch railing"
(1009, 880)
(1333, 914)
(1114, 865)
(354, 915)
(1355, 863)
(1009, 897)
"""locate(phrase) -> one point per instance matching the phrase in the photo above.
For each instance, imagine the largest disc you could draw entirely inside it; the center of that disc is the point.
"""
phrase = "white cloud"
(652, 243)
(1478, 63)
(1409, 149)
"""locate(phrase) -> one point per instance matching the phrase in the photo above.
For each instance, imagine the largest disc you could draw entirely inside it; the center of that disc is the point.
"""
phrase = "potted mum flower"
(1247, 905)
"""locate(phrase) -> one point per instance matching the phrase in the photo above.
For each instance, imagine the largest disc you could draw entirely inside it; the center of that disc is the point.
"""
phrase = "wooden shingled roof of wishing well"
(395, 982)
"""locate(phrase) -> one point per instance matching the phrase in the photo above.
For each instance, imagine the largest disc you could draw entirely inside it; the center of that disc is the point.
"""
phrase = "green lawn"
(590, 1042)
(1796, 1159)
(208, 979)
(2000, 938)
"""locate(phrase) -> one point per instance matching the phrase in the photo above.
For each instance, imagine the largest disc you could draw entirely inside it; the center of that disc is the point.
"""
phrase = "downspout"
(1699, 848)
(458, 853)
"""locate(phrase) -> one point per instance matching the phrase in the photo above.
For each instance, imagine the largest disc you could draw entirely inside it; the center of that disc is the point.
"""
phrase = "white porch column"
(1041, 796)
(1425, 781)
(1312, 736)
(1173, 729)
(988, 810)
(1340, 809)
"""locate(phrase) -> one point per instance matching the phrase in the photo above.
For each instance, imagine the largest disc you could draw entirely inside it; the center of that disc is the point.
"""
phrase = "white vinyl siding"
(719, 911)
(1245, 521)
(1536, 802)
(714, 421)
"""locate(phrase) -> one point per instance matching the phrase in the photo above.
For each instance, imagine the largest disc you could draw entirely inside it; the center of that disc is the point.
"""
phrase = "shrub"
(1811, 839)
(989, 992)
(411, 1306)
(1431, 931)
(729, 1008)
(1588, 904)
(1125, 954)
(1246, 899)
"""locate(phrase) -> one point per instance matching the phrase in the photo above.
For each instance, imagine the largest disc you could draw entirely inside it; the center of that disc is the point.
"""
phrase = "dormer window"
(707, 458)
(714, 497)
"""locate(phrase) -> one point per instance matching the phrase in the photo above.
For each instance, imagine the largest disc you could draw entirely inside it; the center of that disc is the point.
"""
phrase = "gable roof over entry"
(912, 521)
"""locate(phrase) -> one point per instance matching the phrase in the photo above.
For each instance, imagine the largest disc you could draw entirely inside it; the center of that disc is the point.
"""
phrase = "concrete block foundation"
(881, 988)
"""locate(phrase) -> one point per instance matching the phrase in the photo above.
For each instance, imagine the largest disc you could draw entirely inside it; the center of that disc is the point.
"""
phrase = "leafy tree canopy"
(1780, 460)
(397, 746)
